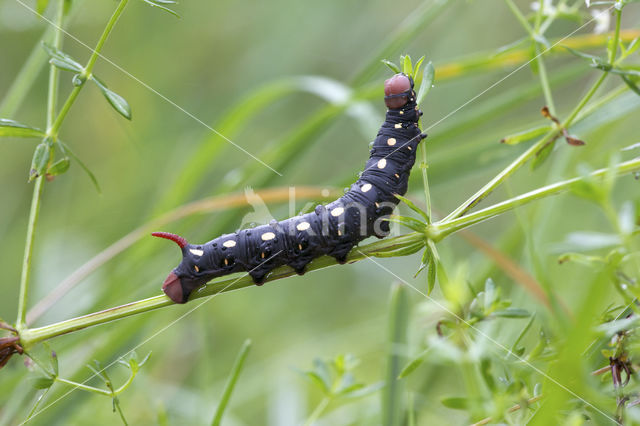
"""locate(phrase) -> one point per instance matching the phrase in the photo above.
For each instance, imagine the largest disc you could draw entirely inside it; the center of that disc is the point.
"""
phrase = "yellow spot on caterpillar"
(229, 243)
(366, 187)
(397, 176)
(382, 164)
(196, 268)
(262, 255)
(299, 246)
(377, 205)
(339, 232)
(337, 211)
(401, 112)
(398, 126)
(226, 262)
(409, 148)
(391, 141)
(303, 226)
(196, 252)
(268, 236)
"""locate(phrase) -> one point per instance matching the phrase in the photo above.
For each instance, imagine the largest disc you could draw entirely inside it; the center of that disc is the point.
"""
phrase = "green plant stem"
(384, 248)
(231, 382)
(86, 74)
(34, 213)
(446, 227)
(318, 411)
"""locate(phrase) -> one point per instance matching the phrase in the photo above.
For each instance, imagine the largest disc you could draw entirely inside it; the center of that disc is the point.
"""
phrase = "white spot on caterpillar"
(382, 163)
(397, 175)
(409, 148)
(303, 226)
(391, 141)
(398, 126)
(196, 268)
(337, 211)
(401, 112)
(377, 204)
(268, 236)
(196, 252)
(366, 187)
(339, 233)
(229, 243)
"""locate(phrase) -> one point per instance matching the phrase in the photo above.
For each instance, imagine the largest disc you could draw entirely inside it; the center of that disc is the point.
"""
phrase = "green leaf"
(42, 382)
(409, 222)
(59, 167)
(413, 207)
(361, 390)
(632, 85)
(407, 68)
(159, 4)
(41, 6)
(455, 402)
(117, 102)
(39, 160)
(11, 128)
(66, 149)
(412, 366)
(485, 370)
(416, 70)
(321, 370)
(54, 358)
(592, 58)
(525, 135)
(426, 260)
(431, 276)
(236, 369)
(428, 77)
(512, 313)
(391, 65)
(61, 59)
(542, 155)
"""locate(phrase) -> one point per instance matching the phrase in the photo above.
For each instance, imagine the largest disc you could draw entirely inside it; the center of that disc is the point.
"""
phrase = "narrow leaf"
(407, 68)
(455, 402)
(391, 65)
(594, 59)
(412, 206)
(231, 382)
(393, 393)
(424, 262)
(409, 222)
(159, 5)
(117, 102)
(59, 167)
(61, 59)
(11, 128)
(416, 70)
(42, 382)
(525, 135)
(84, 167)
(632, 85)
(512, 313)
(427, 82)
(542, 155)
(39, 161)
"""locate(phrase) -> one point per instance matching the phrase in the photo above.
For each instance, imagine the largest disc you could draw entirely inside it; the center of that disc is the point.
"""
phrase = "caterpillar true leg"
(331, 230)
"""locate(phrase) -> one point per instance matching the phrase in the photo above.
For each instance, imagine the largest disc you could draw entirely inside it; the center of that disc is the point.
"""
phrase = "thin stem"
(89, 68)
(318, 411)
(447, 227)
(513, 409)
(425, 181)
(52, 96)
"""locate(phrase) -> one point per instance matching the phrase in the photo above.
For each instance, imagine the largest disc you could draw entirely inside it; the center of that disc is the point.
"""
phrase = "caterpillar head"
(187, 276)
(397, 90)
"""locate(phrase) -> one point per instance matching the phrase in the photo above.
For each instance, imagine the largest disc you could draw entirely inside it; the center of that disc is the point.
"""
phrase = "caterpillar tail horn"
(172, 286)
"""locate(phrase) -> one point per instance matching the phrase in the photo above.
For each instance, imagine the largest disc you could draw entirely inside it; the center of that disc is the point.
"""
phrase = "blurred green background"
(208, 61)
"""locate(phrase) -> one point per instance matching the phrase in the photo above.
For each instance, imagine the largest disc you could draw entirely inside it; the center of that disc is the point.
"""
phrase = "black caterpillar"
(330, 230)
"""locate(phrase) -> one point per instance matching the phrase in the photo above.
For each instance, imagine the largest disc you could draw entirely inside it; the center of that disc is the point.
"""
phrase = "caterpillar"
(332, 229)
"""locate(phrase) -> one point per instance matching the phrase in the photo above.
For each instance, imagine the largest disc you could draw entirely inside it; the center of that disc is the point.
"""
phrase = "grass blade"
(231, 382)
